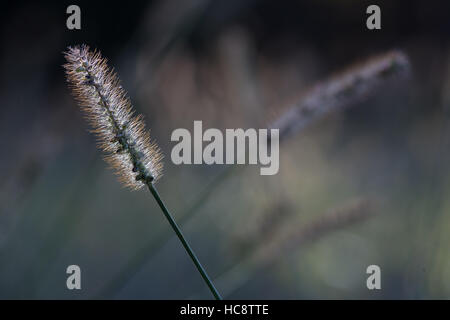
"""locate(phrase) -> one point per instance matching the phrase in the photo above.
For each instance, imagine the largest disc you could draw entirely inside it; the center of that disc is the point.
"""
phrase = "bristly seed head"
(121, 134)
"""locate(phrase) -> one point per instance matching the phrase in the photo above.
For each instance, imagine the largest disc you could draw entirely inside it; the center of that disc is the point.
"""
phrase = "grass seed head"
(121, 134)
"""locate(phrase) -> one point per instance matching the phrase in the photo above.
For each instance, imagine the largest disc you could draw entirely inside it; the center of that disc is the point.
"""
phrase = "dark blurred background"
(230, 64)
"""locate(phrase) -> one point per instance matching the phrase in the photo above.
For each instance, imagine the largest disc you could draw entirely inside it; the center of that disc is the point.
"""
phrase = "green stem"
(186, 245)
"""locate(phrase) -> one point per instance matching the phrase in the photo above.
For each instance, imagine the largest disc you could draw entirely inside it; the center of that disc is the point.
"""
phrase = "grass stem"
(185, 244)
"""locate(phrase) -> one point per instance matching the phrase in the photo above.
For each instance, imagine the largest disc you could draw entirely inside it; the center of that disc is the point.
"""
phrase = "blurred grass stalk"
(340, 91)
(349, 214)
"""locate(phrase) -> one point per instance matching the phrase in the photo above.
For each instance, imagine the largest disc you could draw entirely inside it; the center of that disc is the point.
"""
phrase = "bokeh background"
(364, 185)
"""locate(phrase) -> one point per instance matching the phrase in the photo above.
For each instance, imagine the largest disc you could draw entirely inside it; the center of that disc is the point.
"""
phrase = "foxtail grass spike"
(121, 134)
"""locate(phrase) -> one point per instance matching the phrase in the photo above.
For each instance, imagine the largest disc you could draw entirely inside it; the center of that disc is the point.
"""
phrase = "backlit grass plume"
(121, 134)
